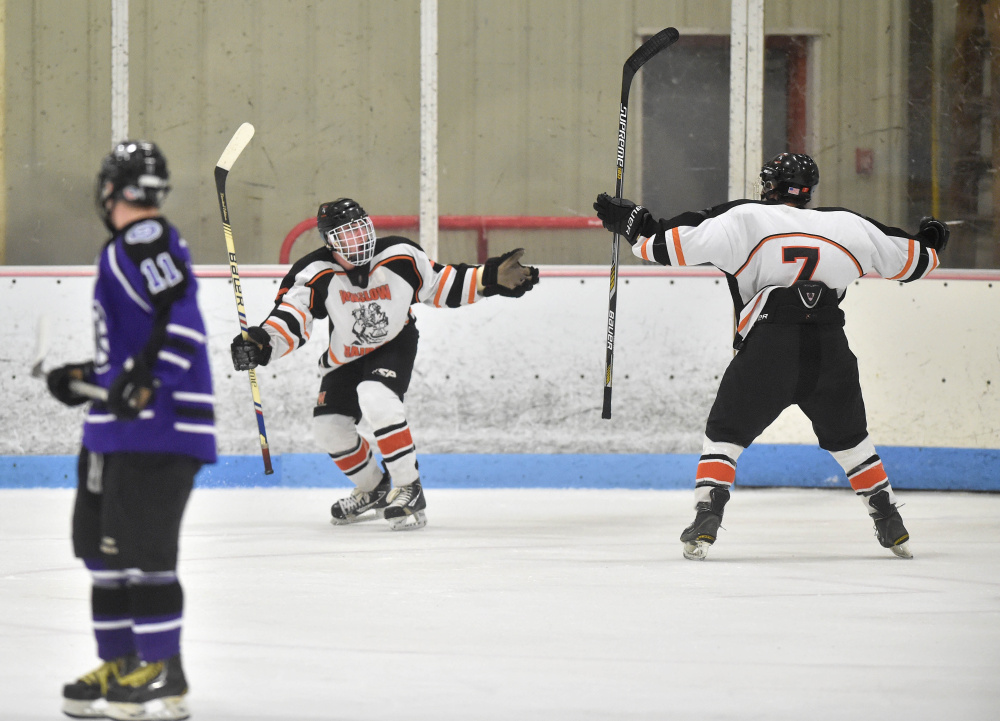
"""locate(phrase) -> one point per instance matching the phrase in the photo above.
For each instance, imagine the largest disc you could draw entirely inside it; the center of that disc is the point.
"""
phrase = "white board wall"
(525, 376)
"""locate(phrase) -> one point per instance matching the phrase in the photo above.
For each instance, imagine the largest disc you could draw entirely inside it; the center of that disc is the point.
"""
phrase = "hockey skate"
(87, 696)
(353, 508)
(889, 528)
(405, 510)
(702, 532)
(153, 691)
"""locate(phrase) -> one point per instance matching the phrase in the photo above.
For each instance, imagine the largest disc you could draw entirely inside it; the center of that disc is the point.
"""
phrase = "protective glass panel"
(897, 102)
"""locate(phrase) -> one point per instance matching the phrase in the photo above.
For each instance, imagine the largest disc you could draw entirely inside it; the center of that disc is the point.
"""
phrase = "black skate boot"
(153, 691)
(350, 509)
(708, 517)
(405, 511)
(87, 696)
(889, 528)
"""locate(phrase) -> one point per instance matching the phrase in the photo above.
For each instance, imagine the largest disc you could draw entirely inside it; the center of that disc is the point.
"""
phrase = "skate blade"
(696, 550)
(902, 550)
(408, 523)
(170, 708)
(85, 709)
(370, 515)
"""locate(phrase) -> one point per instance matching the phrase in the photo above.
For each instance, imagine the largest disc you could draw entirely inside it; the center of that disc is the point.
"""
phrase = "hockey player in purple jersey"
(141, 447)
(788, 268)
(360, 289)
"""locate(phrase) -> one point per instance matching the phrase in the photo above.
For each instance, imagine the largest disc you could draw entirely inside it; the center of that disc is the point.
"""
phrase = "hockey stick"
(236, 145)
(663, 39)
(81, 388)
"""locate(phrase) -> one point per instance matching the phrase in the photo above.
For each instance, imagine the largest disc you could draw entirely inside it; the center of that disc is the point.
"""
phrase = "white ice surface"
(539, 604)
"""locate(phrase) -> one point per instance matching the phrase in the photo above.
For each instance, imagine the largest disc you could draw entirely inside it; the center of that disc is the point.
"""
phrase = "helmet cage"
(354, 240)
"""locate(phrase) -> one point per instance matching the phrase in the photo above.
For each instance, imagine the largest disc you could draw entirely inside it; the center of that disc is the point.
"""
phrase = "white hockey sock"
(716, 468)
(385, 412)
(864, 471)
(338, 436)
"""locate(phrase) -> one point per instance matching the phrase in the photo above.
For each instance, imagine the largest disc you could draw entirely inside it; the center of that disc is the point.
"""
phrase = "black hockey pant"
(780, 365)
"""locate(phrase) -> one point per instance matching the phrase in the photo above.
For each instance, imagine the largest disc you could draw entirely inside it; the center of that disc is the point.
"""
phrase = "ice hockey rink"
(539, 604)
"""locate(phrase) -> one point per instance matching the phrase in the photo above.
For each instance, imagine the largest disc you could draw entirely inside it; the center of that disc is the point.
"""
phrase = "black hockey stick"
(236, 145)
(663, 39)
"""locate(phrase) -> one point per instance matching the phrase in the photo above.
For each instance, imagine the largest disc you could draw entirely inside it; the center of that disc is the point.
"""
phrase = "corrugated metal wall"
(528, 110)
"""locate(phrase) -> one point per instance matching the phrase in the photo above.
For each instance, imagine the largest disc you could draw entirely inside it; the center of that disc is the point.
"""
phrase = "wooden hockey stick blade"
(236, 145)
(41, 346)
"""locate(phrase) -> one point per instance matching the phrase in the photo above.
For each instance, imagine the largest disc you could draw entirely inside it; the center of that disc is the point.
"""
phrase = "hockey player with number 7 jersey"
(788, 268)
(360, 289)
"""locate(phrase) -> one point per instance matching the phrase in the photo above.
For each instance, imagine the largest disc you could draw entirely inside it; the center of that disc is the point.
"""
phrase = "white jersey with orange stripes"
(362, 319)
(761, 246)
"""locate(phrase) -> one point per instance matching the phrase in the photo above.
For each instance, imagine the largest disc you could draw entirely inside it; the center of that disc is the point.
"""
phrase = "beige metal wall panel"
(332, 89)
(55, 129)
(501, 105)
(527, 115)
(858, 73)
(529, 108)
(700, 15)
(861, 95)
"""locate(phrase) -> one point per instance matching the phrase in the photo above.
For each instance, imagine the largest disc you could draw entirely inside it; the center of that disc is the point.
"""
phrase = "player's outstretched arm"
(504, 275)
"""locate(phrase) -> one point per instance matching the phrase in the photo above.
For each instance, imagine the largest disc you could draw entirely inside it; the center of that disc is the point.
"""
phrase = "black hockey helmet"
(789, 178)
(348, 231)
(136, 172)
(338, 212)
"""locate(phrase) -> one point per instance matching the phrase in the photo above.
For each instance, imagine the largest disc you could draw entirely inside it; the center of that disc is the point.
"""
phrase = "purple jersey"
(146, 306)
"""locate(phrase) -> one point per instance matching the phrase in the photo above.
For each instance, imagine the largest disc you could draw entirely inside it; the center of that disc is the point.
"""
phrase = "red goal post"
(482, 224)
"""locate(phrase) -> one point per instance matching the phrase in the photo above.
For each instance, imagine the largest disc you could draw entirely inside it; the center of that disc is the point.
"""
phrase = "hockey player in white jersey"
(361, 288)
(788, 268)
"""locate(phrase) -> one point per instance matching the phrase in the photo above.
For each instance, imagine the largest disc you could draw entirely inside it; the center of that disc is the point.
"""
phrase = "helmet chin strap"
(107, 209)
(358, 275)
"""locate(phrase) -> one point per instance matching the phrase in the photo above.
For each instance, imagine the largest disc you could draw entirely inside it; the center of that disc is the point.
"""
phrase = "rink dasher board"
(927, 352)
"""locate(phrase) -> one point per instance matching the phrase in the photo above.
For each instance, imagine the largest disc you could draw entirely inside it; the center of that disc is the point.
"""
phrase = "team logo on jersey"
(356, 351)
(371, 324)
(102, 346)
(145, 232)
(810, 293)
(379, 293)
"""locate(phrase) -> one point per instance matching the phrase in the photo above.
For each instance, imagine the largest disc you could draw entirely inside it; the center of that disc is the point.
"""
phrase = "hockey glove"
(132, 390)
(252, 351)
(624, 217)
(58, 380)
(933, 233)
(507, 277)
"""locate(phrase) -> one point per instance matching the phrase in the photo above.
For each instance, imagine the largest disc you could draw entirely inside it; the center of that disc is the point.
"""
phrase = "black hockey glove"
(624, 217)
(253, 351)
(132, 390)
(933, 233)
(507, 277)
(58, 380)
